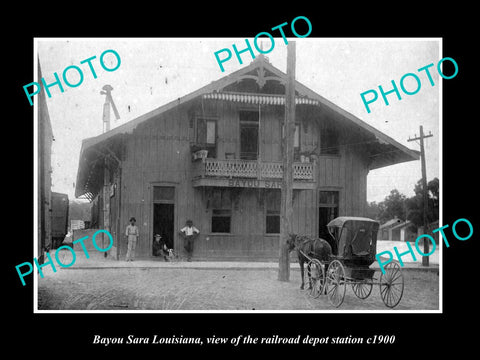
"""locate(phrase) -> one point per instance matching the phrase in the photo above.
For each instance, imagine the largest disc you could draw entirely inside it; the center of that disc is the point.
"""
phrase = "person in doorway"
(160, 248)
(132, 235)
(189, 234)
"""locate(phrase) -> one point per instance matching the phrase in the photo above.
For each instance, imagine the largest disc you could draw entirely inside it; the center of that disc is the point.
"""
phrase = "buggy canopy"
(340, 221)
(355, 236)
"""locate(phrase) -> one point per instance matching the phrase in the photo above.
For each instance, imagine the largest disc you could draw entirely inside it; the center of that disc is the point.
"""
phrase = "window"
(163, 193)
(272, 205)
(221, 220)
(328, 198)
(222, 211)
(248, 134)
(296, 141)
(248, 116)
(296, 137)
(329, 144)
(206, 131)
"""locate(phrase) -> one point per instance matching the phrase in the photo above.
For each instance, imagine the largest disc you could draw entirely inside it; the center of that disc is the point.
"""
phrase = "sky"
(154, 72)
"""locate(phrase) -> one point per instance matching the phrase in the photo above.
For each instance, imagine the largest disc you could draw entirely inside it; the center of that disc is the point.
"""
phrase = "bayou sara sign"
(254, 183)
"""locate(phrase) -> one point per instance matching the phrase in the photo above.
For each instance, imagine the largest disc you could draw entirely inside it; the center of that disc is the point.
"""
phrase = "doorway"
(164, 214)
(163, 222)
(249, 122)
(325, 215)
(327, 211)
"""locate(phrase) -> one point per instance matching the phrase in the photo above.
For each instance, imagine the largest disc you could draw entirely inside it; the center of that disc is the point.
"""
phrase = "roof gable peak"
(258, 72)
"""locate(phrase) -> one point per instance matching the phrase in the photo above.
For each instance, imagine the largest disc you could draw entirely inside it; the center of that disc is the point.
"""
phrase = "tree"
(433, 187)
(399, 206)
(372, 210)
(415, 203)
(393, 206)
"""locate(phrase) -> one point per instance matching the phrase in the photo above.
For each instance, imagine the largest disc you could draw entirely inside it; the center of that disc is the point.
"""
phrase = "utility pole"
(286, 210)
(425, 259)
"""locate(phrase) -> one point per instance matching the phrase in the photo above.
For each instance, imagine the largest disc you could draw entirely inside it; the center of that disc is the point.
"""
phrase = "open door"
(164, 214)
(163, 222)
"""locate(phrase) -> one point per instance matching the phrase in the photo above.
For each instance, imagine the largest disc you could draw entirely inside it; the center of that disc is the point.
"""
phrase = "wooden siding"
(248, 238)
(158, 153)
(354, 172)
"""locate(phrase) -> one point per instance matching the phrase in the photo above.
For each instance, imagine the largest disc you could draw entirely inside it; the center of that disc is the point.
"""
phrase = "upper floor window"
(329, 142)
(206, 131)
(296, 137)
(296, 141)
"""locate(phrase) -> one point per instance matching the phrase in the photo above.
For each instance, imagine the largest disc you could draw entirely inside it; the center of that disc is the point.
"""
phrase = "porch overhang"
(94, 156)
(258, 99)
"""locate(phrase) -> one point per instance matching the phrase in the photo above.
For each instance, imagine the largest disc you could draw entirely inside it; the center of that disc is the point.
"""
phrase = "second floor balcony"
(250, 173)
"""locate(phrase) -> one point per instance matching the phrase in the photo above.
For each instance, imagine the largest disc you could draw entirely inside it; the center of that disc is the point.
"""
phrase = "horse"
(313, 247)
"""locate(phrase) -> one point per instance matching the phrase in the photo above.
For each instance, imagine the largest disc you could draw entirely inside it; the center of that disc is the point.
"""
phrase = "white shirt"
(190, 230)
(132, 230)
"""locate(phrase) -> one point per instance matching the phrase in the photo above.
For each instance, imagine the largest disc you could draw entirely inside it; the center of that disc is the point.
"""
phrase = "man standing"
(132, 235)
(189, 234)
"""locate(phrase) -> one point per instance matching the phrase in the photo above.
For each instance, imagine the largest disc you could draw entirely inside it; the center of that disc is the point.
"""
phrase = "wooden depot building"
(214, 156)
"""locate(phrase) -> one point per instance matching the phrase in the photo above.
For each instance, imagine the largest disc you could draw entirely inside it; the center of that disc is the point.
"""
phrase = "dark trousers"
(188, 244)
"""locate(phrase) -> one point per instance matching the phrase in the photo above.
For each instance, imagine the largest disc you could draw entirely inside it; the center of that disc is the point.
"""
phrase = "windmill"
(107, 90)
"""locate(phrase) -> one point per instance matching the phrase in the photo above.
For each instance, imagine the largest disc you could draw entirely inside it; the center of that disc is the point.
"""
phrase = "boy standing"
(132, 235)
(189, 234)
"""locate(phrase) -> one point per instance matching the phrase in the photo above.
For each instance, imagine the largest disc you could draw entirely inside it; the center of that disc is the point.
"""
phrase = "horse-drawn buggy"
(330, 265)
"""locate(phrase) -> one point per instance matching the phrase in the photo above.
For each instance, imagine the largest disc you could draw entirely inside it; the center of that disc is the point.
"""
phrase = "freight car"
(59, 215)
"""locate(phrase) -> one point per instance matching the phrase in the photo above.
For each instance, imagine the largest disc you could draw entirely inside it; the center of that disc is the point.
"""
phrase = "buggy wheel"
(317, 273)
(363, 289)
(336, 284)
(391, 285)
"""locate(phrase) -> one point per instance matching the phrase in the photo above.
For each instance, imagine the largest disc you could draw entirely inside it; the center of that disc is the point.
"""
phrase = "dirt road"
(210, 289)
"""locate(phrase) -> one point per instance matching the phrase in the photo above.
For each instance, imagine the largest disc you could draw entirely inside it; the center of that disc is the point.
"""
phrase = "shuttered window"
(206, 131)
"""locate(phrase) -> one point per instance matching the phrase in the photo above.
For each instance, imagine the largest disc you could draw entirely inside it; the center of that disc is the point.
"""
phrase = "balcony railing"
(252, 169)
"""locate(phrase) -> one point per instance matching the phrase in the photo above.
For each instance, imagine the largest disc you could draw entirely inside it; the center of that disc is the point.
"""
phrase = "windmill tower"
(107, 91)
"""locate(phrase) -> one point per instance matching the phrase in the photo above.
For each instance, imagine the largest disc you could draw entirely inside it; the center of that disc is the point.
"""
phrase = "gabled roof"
(268, 72)
(395, 224)
(391, 222)
(402, 224)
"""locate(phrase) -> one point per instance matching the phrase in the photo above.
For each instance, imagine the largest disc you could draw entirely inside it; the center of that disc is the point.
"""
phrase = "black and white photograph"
(224, 181)
(165, 188)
